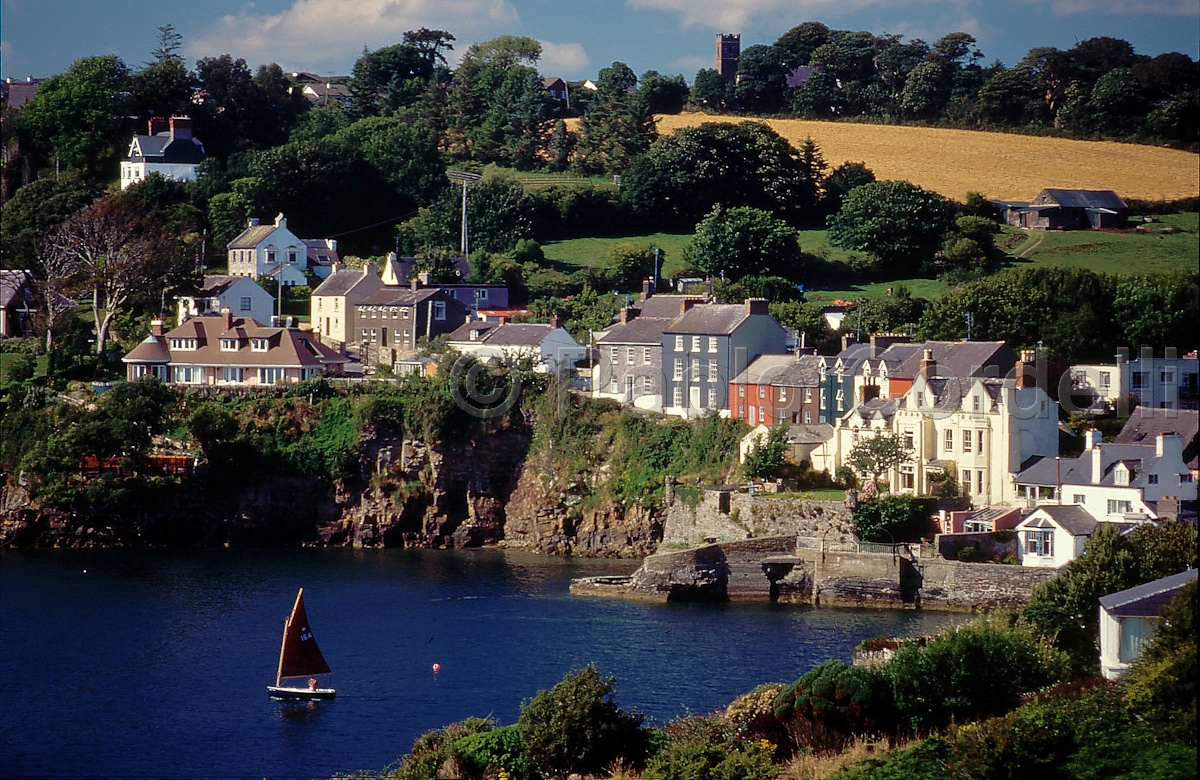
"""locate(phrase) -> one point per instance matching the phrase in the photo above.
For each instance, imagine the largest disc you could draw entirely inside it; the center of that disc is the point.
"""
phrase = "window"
(712, 371)
(439, 310)
(614, 357)
(979, 482)
(646, 356)
(965, 481)
(678, 346)
(980, 442)
(646, 385)
(629, 356)
(393, 312)
(762, 391)
(260, 345)
(967, 443)
(948, 440)
(908, 439)
(712, 398)
(678, 375)
(975, 403)
(1141, 379)
(741, 391)
(677, 397)
(291, 255)
(840, 400)
(244, 303)
(761, 416)
(695, 369)
(374, 335)
(822, 398)
(233, 374)
(366, 336)
(908, 478)
(1039, 542)
(1116, 507)
(695, 343)
(1185, 479)
(612, 384)
(753, 415)
(403, 312)
(1152, 479)
(229, 345)
(192, 375)
(1079, 498)
(808, 395)
(782, 395)
(712, 344)
(1105, 380)
(1167, 377)
(269, 376)
(807, 418)
(270, 255)
(481, 295)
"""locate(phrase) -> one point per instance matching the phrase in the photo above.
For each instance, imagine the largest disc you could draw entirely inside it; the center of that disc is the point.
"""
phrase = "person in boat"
(312, 683)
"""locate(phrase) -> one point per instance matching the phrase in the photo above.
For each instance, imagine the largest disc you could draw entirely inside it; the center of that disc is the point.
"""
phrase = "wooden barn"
(1055, 209)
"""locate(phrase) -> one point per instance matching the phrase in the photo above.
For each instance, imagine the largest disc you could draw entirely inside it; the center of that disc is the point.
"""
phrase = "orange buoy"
(437, 667)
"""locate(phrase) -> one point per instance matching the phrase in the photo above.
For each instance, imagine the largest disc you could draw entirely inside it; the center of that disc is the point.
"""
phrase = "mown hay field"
(1001, 166)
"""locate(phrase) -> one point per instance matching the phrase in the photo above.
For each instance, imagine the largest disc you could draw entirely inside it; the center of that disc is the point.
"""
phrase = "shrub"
(575, 727)
(489, 752)
(710, 748)
(833, 702)
(20, 366)
(433, 749)
(1161, 686)
(752, 715)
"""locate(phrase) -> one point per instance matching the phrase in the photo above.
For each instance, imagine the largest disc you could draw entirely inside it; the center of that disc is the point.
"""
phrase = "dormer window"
(976, 403)
(439, 310)
(475, 337)
(292, 255)
(186, 345)
(270, 255)
(258, 345)
(229, 345)
(404, 313)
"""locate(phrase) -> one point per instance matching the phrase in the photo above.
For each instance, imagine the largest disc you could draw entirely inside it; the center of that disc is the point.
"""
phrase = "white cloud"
(738, 14)
(1153, 7)
(316, 33)
(556, 57)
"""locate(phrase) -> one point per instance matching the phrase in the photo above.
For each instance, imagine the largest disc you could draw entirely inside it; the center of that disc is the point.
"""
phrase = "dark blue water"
(116, 663)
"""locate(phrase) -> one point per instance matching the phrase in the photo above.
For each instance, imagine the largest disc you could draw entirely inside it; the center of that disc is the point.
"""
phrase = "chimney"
(1168, 445)
(502, 320)
(628, 314)
(1097, 465)
(1168, 508)
(928, 364)
(555, 322)
(467, 318)
(1024, 369)
(290, 322)
(254, 222)
(368, 269)
(280, 220)
(881, 341)
(156, 328)
(708, 289)
(757, 306)
(227, 316)
(157, 125)
(426, 278)
(685, 304)
(1092, 439)
(414, 283)
(337, 267)
(181, 128)
(647, 288)
(848, 340)
(332, 244)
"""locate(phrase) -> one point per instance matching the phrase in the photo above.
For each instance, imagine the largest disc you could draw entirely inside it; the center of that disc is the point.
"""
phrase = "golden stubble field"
(1001, 166)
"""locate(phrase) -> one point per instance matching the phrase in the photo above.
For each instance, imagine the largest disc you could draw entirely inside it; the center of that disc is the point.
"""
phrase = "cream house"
(980, 429)
(269, 250)
(332, 306)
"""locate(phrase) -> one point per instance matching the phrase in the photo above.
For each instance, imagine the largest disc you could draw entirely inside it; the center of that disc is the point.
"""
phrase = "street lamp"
(465, 178)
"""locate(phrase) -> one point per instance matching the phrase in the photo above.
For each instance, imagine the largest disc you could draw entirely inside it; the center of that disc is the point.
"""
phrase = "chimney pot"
(414, 283)
(555, 322)
(928, 364)
(156, 327)
(685, 304)
(254, 222)
(227, 315)
(181, 128)
(758, 306)
(647, 288)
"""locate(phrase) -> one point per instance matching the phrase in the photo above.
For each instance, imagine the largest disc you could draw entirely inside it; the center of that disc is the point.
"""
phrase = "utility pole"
(466, 179)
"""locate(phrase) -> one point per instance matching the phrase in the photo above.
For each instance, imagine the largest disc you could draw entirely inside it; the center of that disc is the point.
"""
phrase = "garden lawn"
(579, 253)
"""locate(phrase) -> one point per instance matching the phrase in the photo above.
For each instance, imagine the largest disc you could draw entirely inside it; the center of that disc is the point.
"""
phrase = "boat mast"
(283, 646)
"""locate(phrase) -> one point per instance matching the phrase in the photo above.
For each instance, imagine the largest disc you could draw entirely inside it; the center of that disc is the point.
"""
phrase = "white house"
(1128, 617)
(1053, 536)
(1096, 387)
(333, 305)
(168, 149)
(1113, 482)
(550, 346)
(269, 250)
(219, 292)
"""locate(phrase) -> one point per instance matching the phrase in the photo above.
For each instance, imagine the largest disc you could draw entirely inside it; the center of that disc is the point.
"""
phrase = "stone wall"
(988, 546)
(729, 515)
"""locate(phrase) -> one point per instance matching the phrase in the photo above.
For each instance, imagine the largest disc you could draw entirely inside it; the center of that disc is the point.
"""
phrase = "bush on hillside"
(833, 703)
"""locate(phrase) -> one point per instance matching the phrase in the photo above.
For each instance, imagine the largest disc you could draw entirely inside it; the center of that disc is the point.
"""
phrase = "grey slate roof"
(1145, 424)
(340, 283)
(1081, 199)
(782, 371)
(505, 335)
(710, 319)
(1078, 471)
(955, 358)
(663, 305)
(14, 284)
(1147, 599)
(1073, 519)
(643, 330)
(252, 236)
(809, 433)
(400, 297)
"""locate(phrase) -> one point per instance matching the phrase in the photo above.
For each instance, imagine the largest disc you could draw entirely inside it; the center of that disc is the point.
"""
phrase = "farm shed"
(1069, 210)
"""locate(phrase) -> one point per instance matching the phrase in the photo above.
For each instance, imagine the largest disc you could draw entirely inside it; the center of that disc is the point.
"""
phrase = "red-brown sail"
(300, 656)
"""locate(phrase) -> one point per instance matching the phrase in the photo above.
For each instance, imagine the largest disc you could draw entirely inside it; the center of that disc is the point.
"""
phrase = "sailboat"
(300, 657)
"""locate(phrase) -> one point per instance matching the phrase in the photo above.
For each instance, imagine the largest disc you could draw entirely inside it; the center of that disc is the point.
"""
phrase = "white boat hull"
(305, 693)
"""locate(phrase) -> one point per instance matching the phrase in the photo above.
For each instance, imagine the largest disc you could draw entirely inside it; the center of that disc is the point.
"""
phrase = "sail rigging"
(299, 656)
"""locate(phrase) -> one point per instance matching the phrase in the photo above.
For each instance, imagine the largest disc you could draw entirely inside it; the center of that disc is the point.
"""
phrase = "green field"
(5, 357)
(1170, 244)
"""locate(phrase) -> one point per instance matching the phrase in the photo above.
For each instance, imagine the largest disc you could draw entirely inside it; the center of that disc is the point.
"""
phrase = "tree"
(663, 94)
(617, 125)
(78, 116)
(1161, 685)
(795, 47)
(575, 727)
(389, 78)
(841, 180)
(162, 89)
(631, 264)
(767, 456)
(899, 223)
(927, 89)
(112, 251)
(1154, 311)
(709, 90)
(759, 88)
(683, 175)
(743, 241)
(875, 455)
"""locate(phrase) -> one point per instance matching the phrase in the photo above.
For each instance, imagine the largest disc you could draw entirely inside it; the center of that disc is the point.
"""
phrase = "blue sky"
(43, 37)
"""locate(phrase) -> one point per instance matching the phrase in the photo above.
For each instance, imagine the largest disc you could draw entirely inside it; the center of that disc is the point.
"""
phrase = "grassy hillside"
(998, 165)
